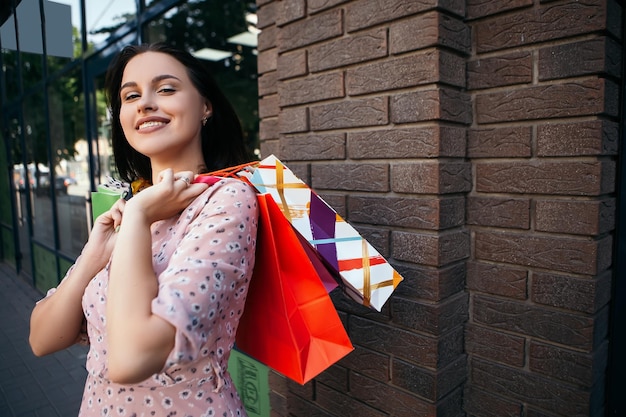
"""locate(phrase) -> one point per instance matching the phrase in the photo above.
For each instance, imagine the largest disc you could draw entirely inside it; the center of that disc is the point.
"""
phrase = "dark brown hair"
(222, 136)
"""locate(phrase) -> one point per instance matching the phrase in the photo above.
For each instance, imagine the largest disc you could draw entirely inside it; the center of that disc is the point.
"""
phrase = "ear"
(208, 109)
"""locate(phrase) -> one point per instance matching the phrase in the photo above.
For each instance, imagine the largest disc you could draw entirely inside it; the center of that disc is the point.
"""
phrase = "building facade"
(476, 144)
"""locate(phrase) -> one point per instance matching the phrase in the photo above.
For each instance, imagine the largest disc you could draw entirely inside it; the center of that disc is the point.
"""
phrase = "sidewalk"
(51, 386)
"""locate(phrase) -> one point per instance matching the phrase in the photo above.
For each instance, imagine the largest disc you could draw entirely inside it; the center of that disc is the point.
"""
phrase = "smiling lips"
(151, 123)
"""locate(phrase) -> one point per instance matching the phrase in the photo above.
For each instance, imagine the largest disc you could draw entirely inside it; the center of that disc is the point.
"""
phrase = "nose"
(146, 103)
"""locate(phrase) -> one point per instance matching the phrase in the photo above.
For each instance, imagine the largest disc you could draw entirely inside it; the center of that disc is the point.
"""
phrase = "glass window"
(104, 18)
(224, 35)
(10, 73)
(63, 38)
(38, 165)
(32, 69)
(70, 160)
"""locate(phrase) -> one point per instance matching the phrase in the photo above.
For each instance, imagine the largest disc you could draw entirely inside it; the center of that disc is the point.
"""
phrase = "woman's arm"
(139, 341)
(56, 320)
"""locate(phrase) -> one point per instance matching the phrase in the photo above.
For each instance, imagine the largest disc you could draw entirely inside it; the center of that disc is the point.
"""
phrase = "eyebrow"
(154, 80)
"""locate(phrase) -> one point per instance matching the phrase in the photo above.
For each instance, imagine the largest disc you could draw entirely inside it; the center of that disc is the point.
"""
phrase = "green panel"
(45, 268)
(63, 267)
(252, 381)
(8, 246)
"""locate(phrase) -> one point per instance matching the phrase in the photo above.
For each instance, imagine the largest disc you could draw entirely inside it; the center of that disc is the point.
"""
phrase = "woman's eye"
(166, 90)
(130, 96)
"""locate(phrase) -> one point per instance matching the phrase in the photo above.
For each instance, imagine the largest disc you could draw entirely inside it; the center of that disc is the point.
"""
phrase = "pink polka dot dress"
(203, 260)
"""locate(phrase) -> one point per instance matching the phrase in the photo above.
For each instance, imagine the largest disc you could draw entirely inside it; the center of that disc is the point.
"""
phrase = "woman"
(162, 281)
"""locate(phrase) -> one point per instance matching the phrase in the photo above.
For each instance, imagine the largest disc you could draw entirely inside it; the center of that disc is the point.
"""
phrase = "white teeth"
(150, 124)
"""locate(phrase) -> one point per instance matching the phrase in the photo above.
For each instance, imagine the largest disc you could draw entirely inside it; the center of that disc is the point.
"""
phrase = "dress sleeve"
(202, 290)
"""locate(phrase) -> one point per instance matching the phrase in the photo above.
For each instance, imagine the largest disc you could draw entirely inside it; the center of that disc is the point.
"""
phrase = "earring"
(204, 120)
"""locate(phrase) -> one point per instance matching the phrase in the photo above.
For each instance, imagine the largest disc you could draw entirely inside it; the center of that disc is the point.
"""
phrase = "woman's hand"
(170, 195)
(104, 235)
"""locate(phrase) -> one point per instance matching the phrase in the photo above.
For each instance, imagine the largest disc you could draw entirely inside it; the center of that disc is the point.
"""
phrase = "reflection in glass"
(70, 160)
(10, 73)
(32, 69)
(224, 35)
(104, 18)
(38, 166)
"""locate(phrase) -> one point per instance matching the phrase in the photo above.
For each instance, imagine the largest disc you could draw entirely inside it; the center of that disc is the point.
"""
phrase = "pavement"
(50, 386)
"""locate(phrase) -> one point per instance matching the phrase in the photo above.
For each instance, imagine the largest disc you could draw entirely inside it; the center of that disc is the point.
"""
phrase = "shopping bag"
(289, 322)
(364, 274)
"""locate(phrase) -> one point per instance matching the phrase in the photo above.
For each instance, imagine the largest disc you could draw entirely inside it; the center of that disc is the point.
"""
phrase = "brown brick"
(423, 350)
(559, 178)
(495, 346)
(420, 142)
(540, 24)
(365, 13)
(266, 61)
(268, 106)
(595, 137)
(513, 213)
(267, 14)
(268, 129)
(478, 402)
(483, 8)
(425, 67)
(269, 147)
(379, 238)
(433, 318)
(581, 98)
(586, 295)
(575, 330)
(290, 10)
(500, 142)
(432, 385)
(371, 363)
(358, 47)
(353, 113)
(266, 39)
(335, 377)
(310, 89)
(578, 59)
(582, 369)
(581, 217)
(299, 407)
(353, 177)
(292, 64)
(316, 6)
(430, 249)
(293, 120)
(311, 147)
(426, 30)
(304, 32)
(431, 177)
(497, 279)
(342, 404)
(389, 399)
(301, 170)
(420, 213)
(544, 393)
(435, 104)
(432, 284)
(267, 84)
(582, 256)
(502, 70)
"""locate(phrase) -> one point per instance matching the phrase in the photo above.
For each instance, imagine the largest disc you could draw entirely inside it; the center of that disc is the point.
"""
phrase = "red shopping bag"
(289, 322)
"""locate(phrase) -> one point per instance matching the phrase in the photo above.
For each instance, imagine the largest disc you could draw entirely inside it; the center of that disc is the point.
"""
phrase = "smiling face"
(161, 111)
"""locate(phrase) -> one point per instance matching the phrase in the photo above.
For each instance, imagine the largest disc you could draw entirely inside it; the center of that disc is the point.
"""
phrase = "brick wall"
(473, 143)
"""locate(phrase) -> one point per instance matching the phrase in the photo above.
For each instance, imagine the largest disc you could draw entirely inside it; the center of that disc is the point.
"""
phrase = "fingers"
(117, 212)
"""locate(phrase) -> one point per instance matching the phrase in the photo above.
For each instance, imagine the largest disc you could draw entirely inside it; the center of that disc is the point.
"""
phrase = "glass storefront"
(54, 123)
